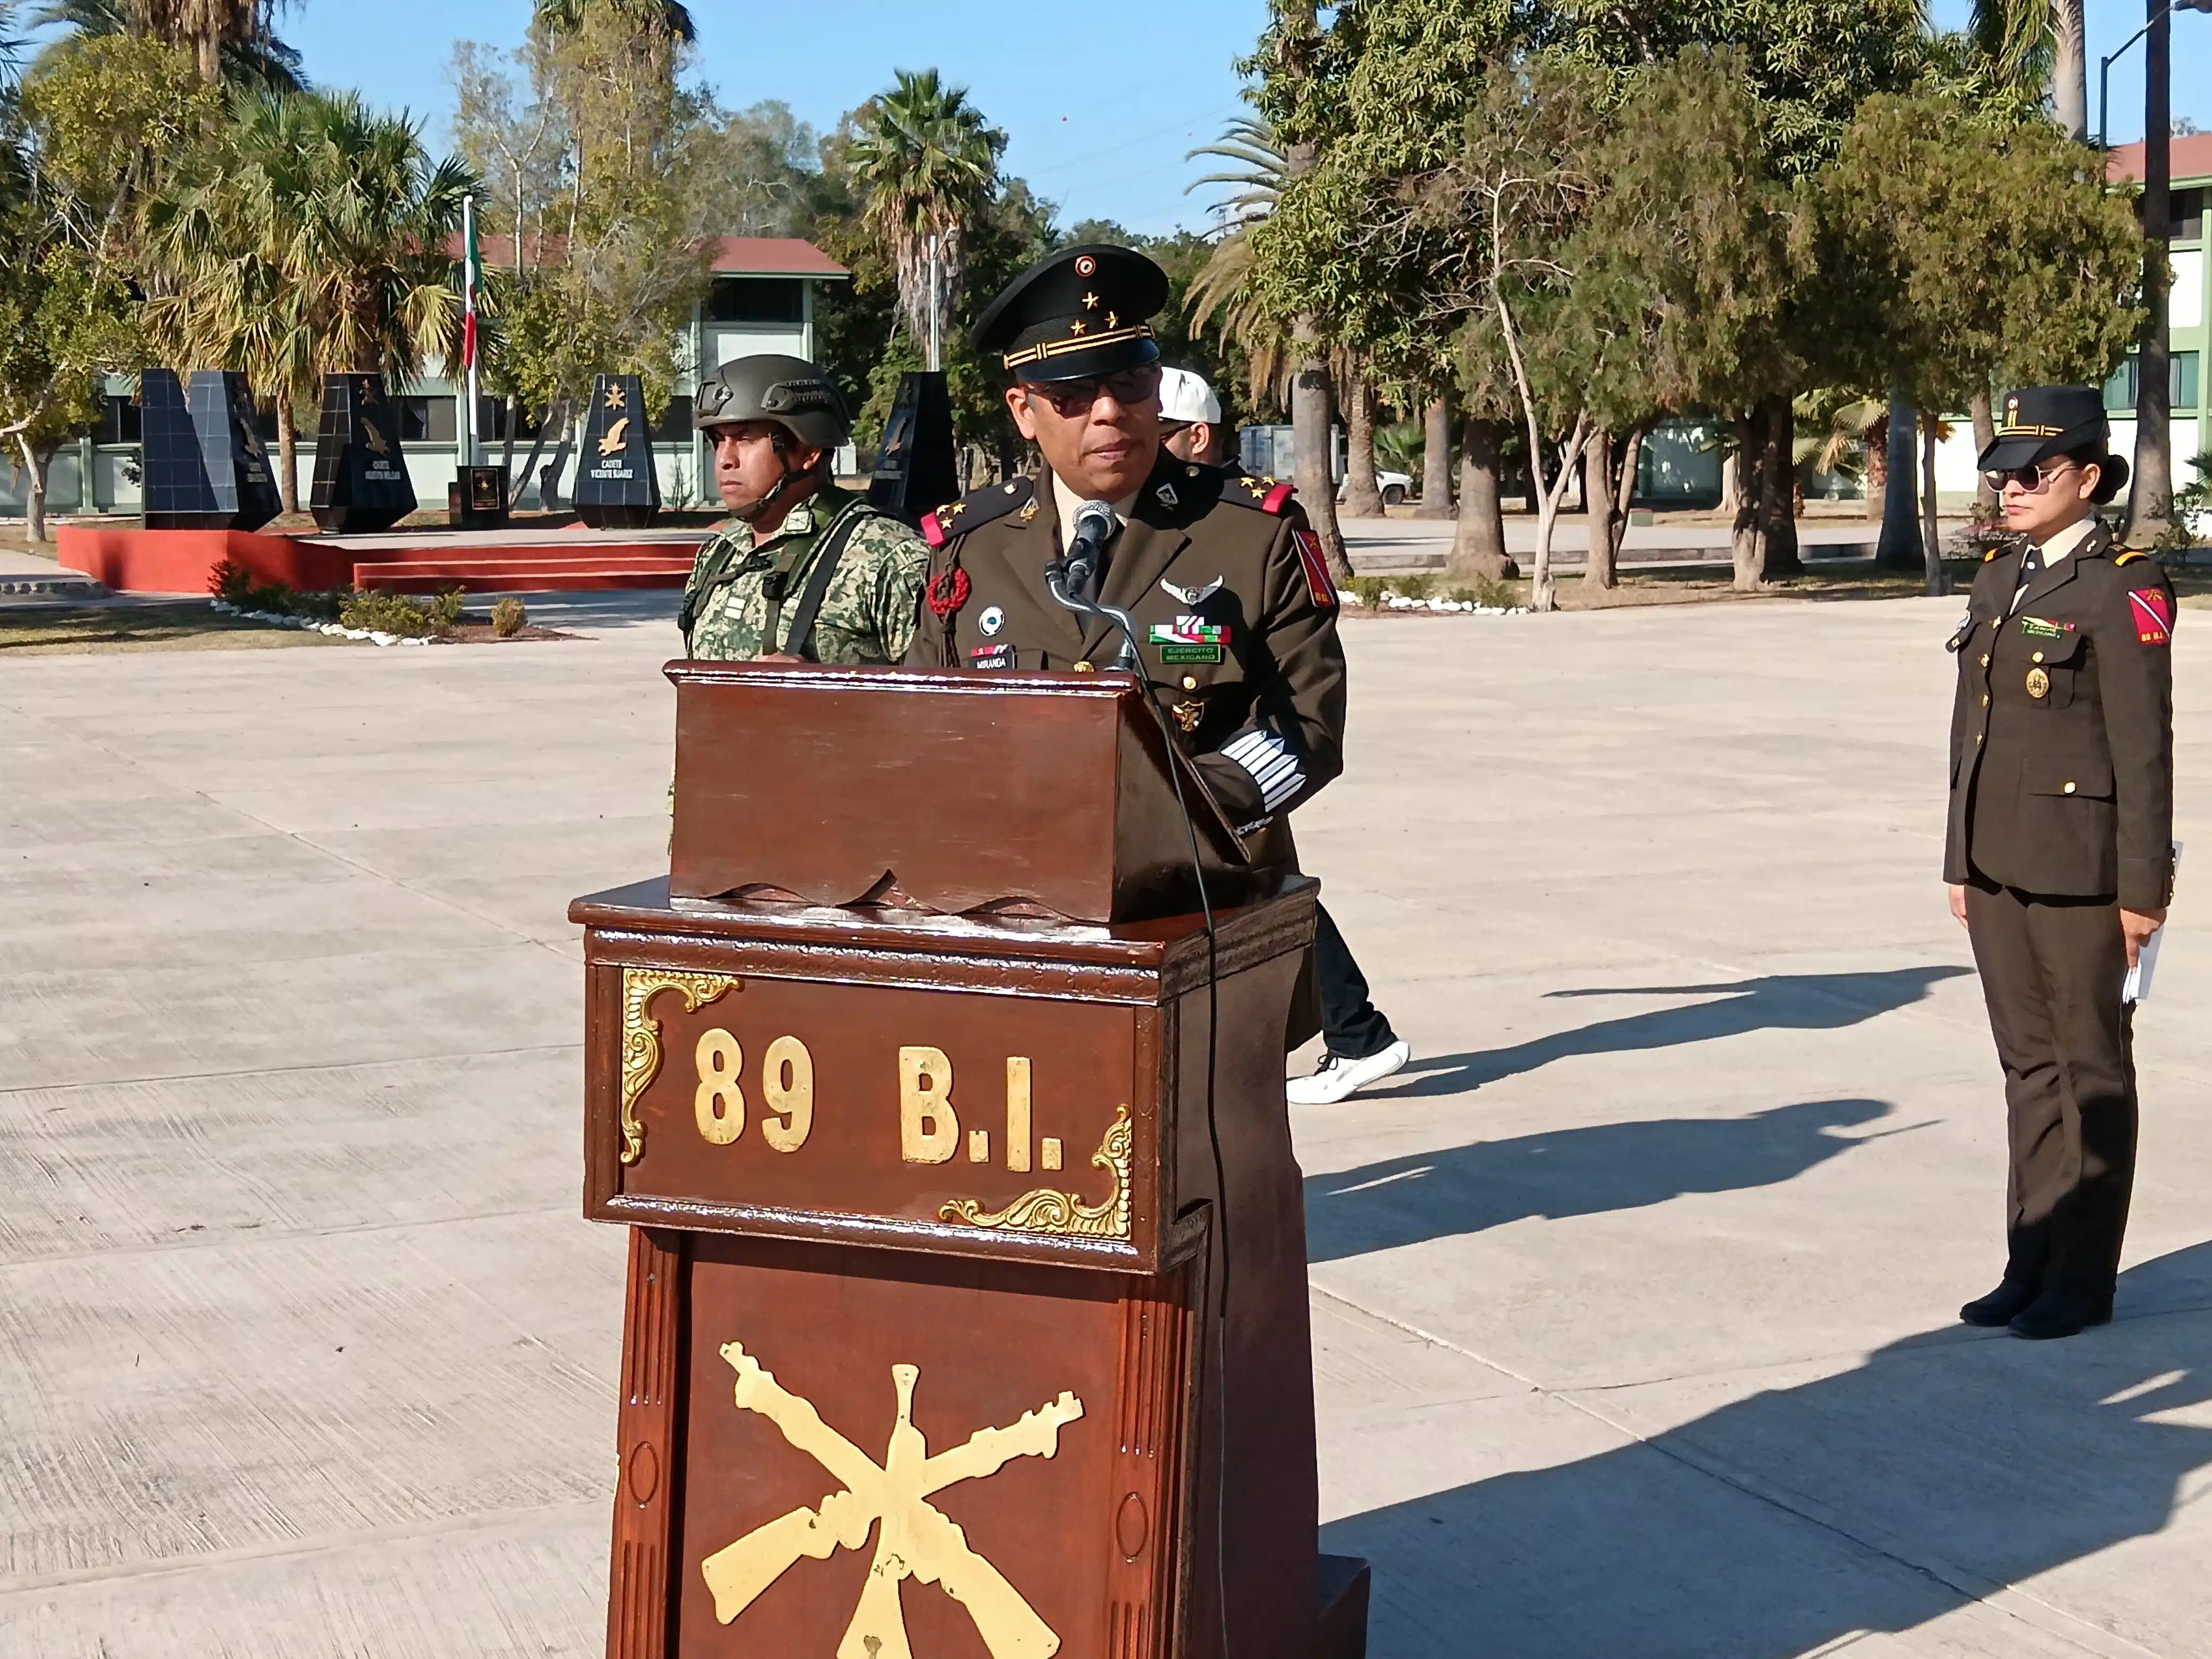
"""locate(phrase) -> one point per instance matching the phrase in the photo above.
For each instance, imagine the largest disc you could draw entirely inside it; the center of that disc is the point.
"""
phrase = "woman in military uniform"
(2059, 850)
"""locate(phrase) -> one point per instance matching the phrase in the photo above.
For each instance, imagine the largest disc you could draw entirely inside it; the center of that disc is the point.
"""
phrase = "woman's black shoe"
(2000, 1306)
(2052, 1316)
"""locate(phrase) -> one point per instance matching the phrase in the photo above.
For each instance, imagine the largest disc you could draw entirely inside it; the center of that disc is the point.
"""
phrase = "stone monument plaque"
(361, 476)
(204, 463)
(615, 487)
(913, 468)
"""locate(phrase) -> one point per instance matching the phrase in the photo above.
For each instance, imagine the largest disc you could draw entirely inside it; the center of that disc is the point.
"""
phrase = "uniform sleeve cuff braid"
(1269, 761)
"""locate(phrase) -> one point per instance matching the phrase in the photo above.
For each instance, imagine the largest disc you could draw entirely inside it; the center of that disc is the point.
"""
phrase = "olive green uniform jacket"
(2062, 734)
(1235, 623)
(740, 594)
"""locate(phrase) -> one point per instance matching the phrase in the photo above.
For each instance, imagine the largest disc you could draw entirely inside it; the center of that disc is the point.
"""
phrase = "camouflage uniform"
(867, 615)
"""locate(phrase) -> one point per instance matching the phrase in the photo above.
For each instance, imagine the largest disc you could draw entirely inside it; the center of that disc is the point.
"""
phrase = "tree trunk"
(1746, 552)
(1624, 489)
(1309, 388)
(1478, 552)
(1732, 480)
(549, 489)
(1598, 498)
(208, 49)
(1436, 461)
(1778, 527)
(287, 454)
(1899, 547)
(2150, 498)
(1932, 540)
(2070, 70)
(507, 448)
(1985, 434)
(1363, 496)
(1875, 451)
(1313, 439)
(35, 463)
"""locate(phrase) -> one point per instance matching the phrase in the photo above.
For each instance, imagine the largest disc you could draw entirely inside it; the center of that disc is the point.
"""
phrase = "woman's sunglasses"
(2029, 478)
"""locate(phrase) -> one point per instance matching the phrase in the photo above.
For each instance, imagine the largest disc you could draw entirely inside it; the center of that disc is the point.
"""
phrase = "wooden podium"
(957, 1325)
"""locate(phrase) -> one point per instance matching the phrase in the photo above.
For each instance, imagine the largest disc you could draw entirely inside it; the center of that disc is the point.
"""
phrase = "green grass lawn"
(39, 630)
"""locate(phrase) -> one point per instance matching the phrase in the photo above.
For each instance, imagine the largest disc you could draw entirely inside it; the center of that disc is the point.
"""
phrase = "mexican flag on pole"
(472, 280)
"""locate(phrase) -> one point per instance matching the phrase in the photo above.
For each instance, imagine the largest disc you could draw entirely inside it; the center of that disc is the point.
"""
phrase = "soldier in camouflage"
(807, 572)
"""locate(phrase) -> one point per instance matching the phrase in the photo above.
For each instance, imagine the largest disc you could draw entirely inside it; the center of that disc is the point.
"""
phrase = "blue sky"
(1100, 102)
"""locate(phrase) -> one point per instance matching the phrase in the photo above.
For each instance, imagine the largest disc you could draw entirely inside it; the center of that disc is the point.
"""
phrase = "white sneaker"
(1335, 1077)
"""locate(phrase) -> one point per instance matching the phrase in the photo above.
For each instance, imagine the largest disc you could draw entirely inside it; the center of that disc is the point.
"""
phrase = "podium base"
(1340, 1631)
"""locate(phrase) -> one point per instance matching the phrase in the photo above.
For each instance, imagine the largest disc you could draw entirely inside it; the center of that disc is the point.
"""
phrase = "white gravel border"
(1396, 601)
(336, 630)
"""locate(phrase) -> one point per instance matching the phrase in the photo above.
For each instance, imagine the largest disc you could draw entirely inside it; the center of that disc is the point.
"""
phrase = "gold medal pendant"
(2039, 683)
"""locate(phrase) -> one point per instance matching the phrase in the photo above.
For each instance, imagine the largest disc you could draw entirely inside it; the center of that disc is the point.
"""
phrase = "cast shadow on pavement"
(1563, 1172)
(1801, 1002)
(1944, 1468)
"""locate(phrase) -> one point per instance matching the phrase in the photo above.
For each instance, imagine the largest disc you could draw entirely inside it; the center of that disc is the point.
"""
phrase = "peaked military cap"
(1083, 311)
(2037, 421)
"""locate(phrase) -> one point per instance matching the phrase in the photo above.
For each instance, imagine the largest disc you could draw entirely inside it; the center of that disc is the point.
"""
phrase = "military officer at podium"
(806, 572)
(1233, 612)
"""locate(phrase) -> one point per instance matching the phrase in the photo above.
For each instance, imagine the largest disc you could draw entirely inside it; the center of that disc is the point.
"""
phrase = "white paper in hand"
(2137, 987)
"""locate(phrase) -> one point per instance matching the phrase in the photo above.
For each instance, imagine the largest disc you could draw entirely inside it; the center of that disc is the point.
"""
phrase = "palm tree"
(929, 164)
(563, 16)
(312, 242)
(247, 52)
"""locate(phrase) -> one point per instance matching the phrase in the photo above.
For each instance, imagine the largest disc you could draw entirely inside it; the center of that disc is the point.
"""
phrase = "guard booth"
(966, 1311)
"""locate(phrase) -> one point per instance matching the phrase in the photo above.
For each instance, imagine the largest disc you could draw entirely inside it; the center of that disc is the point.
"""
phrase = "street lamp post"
(2105, 64)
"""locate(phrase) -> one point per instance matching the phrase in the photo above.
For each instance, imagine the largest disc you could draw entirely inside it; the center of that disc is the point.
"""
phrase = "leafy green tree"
(614, 204)
(247, 51)
(89, 136)
(1996, 253)
(926, 164)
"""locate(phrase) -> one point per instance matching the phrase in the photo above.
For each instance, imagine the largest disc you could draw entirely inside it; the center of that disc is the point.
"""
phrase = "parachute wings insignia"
(913, 1539)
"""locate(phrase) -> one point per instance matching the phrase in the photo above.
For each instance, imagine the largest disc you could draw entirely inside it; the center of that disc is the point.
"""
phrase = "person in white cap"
(1362, 1047)
(1190, 418)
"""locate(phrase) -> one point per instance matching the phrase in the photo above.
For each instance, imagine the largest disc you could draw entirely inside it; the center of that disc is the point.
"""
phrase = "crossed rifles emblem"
(914, 1539)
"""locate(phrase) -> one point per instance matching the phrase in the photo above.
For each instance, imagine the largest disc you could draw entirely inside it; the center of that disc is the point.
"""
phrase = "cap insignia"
(1086, 266)
(1076, 327)
(1091, 302)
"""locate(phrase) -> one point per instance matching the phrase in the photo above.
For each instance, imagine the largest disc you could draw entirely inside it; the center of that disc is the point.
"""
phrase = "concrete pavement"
(1632, 1298)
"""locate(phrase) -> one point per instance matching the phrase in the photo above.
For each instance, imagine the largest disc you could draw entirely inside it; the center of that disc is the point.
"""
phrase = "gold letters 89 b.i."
(640, 1035)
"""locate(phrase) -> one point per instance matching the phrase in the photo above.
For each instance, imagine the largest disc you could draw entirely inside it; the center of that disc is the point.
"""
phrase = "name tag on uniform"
(1189, 639)
(2036, 628)
(993, 656)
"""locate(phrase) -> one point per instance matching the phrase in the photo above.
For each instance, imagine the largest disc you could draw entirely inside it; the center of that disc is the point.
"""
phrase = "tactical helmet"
(791, 391)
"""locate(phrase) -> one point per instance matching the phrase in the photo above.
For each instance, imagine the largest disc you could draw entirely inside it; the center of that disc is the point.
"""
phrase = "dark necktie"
(2031, 566)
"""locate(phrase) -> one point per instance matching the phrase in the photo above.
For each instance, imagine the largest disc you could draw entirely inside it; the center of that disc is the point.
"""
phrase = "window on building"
(674, 425)
(2185, 211)
(2181, 390)
(765, 302)
(491, 422)
(118, 421)
(427, 420)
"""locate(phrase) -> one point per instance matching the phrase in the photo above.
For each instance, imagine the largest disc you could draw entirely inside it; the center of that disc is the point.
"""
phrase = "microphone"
(1095, 525)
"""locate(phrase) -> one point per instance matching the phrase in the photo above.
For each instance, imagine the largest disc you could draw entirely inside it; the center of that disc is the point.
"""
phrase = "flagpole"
(469, 325)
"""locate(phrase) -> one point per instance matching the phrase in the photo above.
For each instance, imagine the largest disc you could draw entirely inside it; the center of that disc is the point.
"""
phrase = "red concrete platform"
(131, 560)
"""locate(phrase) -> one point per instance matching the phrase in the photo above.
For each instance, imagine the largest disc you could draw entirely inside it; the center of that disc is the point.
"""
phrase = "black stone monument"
(615, 487)
(361, 475)
(202, 461)
(914, 468)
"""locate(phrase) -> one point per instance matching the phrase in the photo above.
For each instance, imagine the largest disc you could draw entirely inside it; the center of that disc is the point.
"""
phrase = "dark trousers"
(2052, 972)
(1353, 1026)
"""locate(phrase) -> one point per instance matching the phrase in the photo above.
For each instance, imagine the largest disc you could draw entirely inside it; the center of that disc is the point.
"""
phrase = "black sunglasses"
(1069, 397)
(2029, 478)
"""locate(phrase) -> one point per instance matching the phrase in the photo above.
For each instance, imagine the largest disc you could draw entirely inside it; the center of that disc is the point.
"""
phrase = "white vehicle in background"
(1395, 487)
